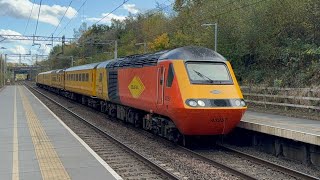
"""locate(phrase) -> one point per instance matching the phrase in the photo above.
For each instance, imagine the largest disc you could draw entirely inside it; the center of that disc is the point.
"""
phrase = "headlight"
(243, 103)
(238, 103)
(192, 103)
(201, 103)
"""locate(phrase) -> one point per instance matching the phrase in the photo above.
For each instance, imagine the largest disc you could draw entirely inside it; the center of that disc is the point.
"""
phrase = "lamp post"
(144, 46)
(2, 68)
(215, 33)
(5, 67)
(2, 71)
(115, 49)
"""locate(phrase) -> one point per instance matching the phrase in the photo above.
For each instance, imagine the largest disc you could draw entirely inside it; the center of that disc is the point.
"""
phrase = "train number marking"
(219, 119)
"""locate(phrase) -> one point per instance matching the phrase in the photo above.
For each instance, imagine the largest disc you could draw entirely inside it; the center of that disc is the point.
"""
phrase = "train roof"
(138, 60)
(104, 64)
(47, 72)
(83, 67)
(57, 71)
(194, 53)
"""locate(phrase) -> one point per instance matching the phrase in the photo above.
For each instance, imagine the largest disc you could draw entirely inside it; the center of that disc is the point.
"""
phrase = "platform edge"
(94, 154)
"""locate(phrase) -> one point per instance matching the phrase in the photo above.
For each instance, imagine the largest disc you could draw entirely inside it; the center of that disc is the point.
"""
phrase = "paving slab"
(41, 144)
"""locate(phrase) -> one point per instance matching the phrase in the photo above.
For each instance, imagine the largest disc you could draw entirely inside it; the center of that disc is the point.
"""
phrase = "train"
(178, 93)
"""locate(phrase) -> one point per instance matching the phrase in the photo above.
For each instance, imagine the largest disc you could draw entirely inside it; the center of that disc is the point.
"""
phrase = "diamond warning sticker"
(136, 87)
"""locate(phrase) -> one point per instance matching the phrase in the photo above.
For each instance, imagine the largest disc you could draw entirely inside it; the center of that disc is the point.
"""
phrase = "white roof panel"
(83, 67)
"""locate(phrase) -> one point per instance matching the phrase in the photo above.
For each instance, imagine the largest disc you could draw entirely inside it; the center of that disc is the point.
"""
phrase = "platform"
(298, 129)
(36, 144)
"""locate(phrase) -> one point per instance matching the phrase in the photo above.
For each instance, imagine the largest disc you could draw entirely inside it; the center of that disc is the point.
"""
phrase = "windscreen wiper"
(203, 76)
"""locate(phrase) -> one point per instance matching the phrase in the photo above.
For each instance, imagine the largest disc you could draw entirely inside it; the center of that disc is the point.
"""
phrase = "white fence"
(305, 98)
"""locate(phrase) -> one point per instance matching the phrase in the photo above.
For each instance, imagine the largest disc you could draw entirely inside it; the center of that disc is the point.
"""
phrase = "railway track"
(292, 172)
(118, 154)
(220, 165)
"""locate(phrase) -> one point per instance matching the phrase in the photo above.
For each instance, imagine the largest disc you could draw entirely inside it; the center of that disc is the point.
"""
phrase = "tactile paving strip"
(50, 164)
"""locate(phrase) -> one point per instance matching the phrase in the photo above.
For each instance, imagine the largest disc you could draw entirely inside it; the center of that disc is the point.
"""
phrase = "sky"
(19, 17)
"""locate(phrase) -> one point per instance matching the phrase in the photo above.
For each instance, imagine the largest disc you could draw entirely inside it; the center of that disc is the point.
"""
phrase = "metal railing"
(303, 98)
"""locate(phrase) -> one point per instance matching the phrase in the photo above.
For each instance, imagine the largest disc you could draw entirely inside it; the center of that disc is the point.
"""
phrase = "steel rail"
(112, 138)
(226, 168)
(194, 154)
(220, 165)
(286, 170)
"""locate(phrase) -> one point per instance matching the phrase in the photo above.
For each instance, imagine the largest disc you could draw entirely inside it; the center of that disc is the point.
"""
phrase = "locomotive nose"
(209, 122)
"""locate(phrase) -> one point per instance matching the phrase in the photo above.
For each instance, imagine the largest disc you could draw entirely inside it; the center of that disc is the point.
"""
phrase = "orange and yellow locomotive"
(174, 93)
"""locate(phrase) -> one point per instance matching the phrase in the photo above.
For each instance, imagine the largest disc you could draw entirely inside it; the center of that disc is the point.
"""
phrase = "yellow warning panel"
(136, 87)
(51, 166)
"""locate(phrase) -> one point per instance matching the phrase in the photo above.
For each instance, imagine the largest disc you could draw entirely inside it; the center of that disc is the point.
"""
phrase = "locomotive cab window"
(170, 76)
(208, 73)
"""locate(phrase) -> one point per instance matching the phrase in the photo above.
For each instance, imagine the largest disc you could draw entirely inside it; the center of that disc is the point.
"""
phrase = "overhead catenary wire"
(35, 32)
(84, 2)
(25, 29)
(62, 17)
(125, 1)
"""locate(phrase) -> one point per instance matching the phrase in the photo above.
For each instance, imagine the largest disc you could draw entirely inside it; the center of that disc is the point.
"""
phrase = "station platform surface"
(298, 129)
(36, 144)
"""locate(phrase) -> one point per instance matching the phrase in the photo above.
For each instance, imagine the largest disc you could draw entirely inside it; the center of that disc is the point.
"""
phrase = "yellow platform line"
(15, 152)
(50, 164)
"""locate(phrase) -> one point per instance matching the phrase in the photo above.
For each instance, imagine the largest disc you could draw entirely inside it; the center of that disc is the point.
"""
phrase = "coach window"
(80, 77)
(100, 77)
(87, 77)
(170, 75)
